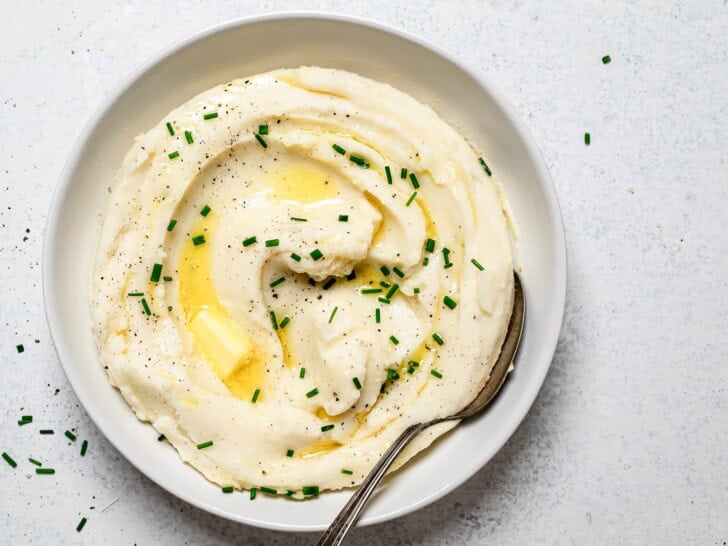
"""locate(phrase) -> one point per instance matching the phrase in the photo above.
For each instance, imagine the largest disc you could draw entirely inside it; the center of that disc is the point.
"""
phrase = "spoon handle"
(349, 515)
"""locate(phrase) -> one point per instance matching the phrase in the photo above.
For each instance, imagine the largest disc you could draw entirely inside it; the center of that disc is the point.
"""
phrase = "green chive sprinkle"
(485, 166)
(284, 323)
(384, 284)
(359, 161)
(25, 419)
(403, 173)
(426, 261)
(413, 179)
(45, 471)
(394, 340)
(166, 279)
(171, 225)
(204, 445)
(383, 300)
(398, 272)
(295, 256)
(263, 129)
(326, 428)
(438, 339)
(46, 431)
(385, 270)
(256, 394)
(173, 155)
(253, 491)
(289, 493)
(273, 320)
(451, 303)
(156, 273)
(328, 284)
(378, 315)
(371, 291)
(333, 314)
(276, 282)
(343, 217)
(476, 263)
(205, 210)
(412, 198)
(268, 490)
(70, 435)
(416, 290)
(587, 139)
(272, 242)
(20, 348)
(414, 363)
(297, 219)
(260, 140)
(436, 374)
(81, 524)
(9, 460)
(289, 453)
(312, 393)
(161, 438)
(198, 240)
(388, 173)
(145, 305)
(302, 374)
(169, 128)
(357, 383)
(211, 115)
(606, 59)
(250, 240)
(392, 375)
(339, 149)
(228, 489)
(310, 490)
(392, 291)
(430, 245)
(134, 294)
(446, 256)
(188, 137)
(410, 370)
(84, 447)
(347, 472)
(316, 254)
(33, 461)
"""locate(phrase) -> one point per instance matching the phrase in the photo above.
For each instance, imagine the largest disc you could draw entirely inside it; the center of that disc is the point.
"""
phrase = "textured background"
(627, 442)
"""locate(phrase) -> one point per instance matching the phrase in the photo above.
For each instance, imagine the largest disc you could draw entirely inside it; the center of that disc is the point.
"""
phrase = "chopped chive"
(272, 242)
(485, 166)
(310, 490)
(289, 453)
(476, 263)
(388, 173)
(260, 140)
(284, 323)
(161, 438)
(394, 340)
(33, 461)
(166, 279)
(398, 272)
(412, 198)
(28, 418)
(302, 373)
(9, 460)
(326, 428)
(606, 59)
(268, 490)
(410, 370)
(145, 305)
(295, 256)
(198, 240)
(289, 493)
(135, 294)
(359, 161)
(392, 291)
(347, 472)
(425, 261)
(263, 129)
(276, 282)
(312, 393)
(316, 254)
(587, 139)
(446, 256)
(227, 489)
(84, 447)
(351, 276)
(436, 374)
(371, 291)
(438, 339)
(357, 383)
(205, 210)
(156, 272)
(256, 394)
(384, 284)
(250, 240)
(81, 524)
(338, 149)
(70, 435)
(333, 314)
(188, 137)
(385, 270)
(328, 284)
(378, 315)
(173, 155)
(46, 431)
(171, 225)
(45, 471)
(211, 115)
(20, 348)
(414, 363)
(253, 491)
(392, 375)
(451, 303)
(297, 219)
(430, 245)
(403, 173)
(204, 445)
(273, 320)
(416, 290)
(383, 300)
(169, 128)
(343, 217)
(413, 179)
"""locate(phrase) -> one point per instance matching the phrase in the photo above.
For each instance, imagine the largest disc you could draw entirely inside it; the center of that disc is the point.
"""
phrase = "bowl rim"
(549, 341)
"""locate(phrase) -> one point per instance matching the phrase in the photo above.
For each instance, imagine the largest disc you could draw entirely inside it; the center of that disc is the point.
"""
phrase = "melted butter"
(317, 448)
(224, 343)
(303, 183)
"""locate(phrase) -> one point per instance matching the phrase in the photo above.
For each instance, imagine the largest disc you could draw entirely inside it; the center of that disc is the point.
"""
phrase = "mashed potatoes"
(292, 269)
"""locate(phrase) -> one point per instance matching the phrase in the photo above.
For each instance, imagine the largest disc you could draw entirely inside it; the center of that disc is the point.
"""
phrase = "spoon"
(349, 515)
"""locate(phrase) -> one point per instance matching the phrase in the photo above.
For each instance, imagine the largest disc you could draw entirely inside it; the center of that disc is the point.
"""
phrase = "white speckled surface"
(627, 442)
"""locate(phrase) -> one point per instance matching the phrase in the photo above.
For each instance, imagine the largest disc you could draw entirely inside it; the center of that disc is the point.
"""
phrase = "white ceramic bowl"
(256, 45)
